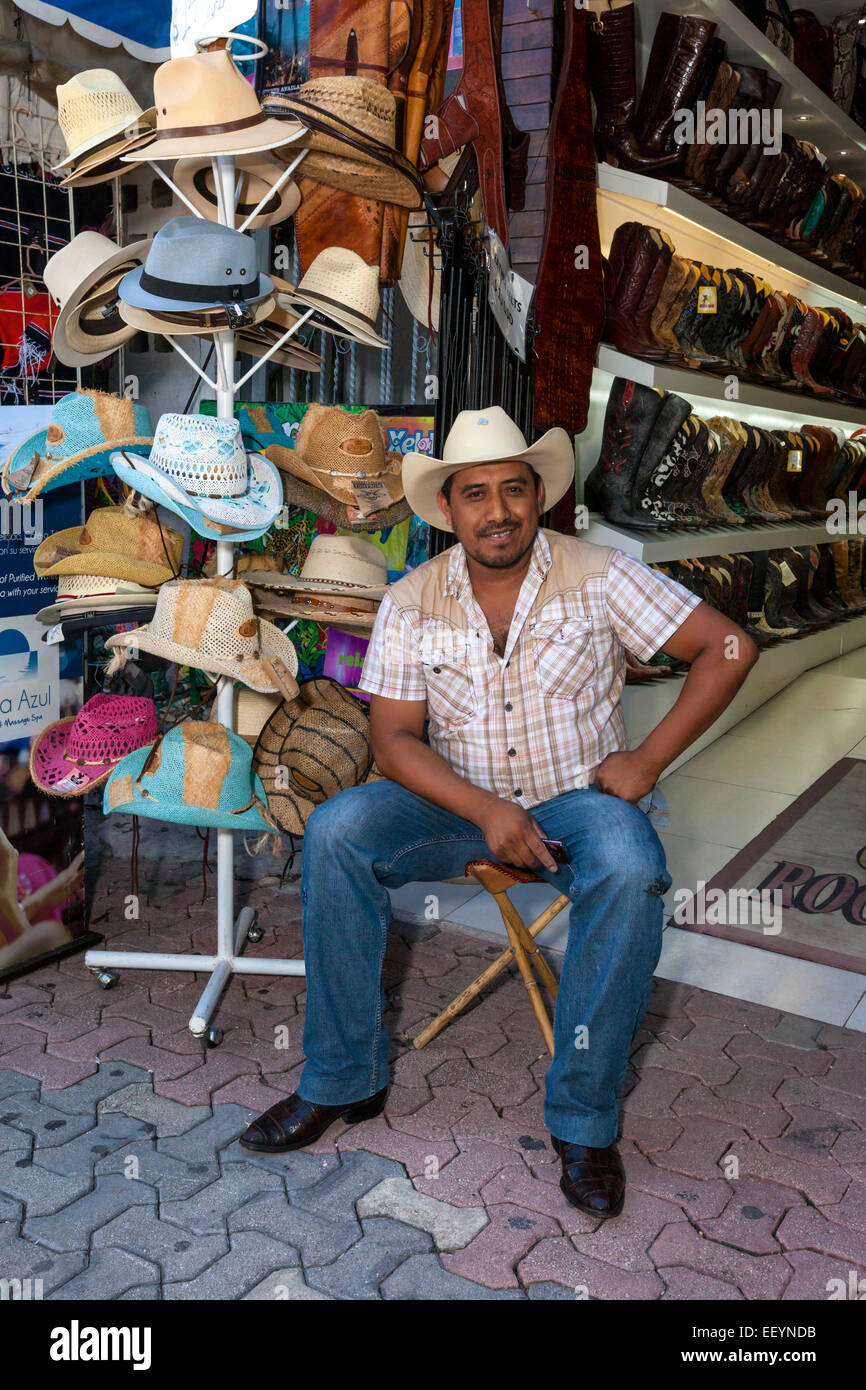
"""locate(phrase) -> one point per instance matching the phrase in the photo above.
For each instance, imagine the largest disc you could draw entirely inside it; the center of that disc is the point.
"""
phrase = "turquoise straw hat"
(198, 773)
(84, 428)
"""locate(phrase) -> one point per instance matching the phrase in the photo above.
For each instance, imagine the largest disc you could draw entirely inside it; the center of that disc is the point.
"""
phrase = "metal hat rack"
(232, 932)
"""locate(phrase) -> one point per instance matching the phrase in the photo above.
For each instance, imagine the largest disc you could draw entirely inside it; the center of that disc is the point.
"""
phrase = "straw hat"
(251, 711)
(196, 266)
(209, 624)
(82, 593)
(334, 565)
(84, 428)
(354, 614)
(199, 470)
(310, 749)
(342, 453)
(204, 106)
(196, 774)
(255, 173)
(486, 436)
(414, 282)
(82, 279)
(72, 755)
(105, 162)
(257, 339)
(344, 291)
(111, 542)
(93, 107)
(351, 139)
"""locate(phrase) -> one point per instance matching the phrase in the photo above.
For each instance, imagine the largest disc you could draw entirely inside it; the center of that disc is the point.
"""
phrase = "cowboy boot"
(632, 411)
(824, 584)
(684, 492)
(814, 487)
(655, 498)
(731, 438)
(855, 570)
(679, 45)
(839, 552)
(668, 423)
(779, 598)
(635, 253)
(720, 97)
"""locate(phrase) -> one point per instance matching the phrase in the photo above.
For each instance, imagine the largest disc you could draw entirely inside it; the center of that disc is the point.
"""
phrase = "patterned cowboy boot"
(645, 496)
(731, 438)
(631, 412)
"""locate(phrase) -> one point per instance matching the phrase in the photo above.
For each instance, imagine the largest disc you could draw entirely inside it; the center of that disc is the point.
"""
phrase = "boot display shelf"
(657, 547)
(807, 113)
(646, 705)
(818, 284)
(701, 386)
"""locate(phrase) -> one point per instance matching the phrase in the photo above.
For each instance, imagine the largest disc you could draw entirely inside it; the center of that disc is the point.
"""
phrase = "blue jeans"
(370, 838)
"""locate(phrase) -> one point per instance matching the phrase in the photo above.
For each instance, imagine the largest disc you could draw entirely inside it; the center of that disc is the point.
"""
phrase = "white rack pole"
(224, 179)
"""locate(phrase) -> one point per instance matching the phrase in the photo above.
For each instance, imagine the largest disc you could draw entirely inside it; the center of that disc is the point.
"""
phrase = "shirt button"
(512, 752)
(508, 707)
(437, 669)
(518, 791)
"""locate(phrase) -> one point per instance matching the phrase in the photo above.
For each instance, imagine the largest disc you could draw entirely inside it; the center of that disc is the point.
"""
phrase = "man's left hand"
(626, 775)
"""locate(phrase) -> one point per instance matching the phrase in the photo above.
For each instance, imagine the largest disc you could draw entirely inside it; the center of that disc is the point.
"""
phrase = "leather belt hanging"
(569, 301)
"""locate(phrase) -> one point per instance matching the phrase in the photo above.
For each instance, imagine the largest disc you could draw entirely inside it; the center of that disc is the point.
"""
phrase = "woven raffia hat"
(344, 291)
(197, 773)
(72, 755)
(343, 453)
(114, 544)
(82, 593)
(193, 265)
(82, 279)
(334, 565)
(93, 107)
(310, 749)
(198, 468)
(486, 436)
(255, 176)
(209, 624)
(351, 124)
(75, 444)
(205, 106)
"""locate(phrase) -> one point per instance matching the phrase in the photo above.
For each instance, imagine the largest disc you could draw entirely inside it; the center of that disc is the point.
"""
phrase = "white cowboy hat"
(82, 279)
(334, 565)
(486, 436)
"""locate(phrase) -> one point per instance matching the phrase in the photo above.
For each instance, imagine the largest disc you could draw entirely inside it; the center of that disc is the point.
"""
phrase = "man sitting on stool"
(512, 645)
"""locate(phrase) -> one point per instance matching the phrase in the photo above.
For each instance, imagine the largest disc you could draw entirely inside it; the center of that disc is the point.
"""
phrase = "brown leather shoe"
(593, 1180)
(294, 1122)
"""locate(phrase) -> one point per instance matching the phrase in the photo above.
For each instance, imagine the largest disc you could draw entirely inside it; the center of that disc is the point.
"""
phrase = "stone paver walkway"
(121, 1175)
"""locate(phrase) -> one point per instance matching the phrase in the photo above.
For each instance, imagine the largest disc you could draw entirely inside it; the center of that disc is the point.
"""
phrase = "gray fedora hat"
(193, 264)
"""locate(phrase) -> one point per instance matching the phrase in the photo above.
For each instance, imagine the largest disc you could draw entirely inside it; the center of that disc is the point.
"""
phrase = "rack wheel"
(255, 933)
(107, 979)
(213, 1037)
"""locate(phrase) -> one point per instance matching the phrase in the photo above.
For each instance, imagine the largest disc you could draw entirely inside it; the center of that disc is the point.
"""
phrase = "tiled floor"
(719, 801)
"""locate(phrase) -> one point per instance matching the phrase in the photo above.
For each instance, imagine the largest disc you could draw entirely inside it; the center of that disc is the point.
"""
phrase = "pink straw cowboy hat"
(73, 755)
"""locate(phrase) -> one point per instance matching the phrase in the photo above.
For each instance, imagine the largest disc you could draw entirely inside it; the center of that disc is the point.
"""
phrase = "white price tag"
(508, 295)
(371, 495)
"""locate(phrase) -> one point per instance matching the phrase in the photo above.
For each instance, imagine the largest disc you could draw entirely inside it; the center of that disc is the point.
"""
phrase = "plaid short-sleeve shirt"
(536, 721)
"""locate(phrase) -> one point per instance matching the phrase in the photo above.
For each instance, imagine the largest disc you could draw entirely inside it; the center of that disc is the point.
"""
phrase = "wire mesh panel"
(36, 220)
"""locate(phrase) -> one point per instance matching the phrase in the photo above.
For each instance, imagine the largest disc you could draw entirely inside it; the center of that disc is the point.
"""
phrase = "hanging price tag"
(371, 495)
(795, 460)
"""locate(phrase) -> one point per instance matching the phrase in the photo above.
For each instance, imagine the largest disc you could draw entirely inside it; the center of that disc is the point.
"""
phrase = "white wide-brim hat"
(255, 175)
(254, 510)
(89, 266)
(486, 436)
(334, 565)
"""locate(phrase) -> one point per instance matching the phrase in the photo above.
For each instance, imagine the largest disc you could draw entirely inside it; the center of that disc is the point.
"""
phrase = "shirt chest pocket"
(563, 656)
(452, 697)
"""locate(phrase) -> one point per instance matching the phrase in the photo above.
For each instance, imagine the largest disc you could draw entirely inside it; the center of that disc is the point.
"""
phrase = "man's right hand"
(514, 837)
